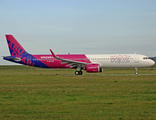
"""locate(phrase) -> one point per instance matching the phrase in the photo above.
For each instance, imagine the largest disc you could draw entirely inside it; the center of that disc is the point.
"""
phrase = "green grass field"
(115, 94)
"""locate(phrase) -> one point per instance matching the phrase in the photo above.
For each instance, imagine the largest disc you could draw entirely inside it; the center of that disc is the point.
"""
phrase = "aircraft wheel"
(136, 73)
(78, 72)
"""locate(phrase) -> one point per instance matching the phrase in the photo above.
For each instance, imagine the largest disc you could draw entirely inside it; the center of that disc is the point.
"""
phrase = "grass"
(33, 93)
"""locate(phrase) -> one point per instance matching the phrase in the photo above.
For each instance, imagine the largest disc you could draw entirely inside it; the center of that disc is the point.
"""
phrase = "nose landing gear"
(136, 71)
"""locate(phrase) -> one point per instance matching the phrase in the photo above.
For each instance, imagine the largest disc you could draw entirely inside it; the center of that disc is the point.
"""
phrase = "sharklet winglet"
(53, 54)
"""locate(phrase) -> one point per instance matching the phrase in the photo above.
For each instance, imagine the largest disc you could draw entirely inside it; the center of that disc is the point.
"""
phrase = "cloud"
(58, 28)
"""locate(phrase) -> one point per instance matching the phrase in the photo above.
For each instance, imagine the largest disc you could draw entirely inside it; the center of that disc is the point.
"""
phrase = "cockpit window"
(145, 58)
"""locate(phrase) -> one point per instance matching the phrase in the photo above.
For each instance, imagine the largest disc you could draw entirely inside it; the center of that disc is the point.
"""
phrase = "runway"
(118, 75)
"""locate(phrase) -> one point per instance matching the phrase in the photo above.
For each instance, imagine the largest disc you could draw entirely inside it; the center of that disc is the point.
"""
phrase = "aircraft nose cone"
(151, 62)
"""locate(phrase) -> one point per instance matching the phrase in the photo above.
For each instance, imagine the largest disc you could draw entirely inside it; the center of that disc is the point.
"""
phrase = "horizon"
(79, 27)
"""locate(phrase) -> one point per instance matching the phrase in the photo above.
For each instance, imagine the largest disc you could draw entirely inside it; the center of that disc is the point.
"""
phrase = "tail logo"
(15, 50)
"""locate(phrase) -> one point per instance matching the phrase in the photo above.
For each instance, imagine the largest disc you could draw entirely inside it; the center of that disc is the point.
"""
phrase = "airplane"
(92, 63)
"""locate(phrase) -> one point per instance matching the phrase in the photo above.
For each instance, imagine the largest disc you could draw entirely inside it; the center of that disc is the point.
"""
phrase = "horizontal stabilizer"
(12, 58)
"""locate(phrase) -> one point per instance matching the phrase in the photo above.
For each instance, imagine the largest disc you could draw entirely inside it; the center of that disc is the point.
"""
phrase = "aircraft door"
(136, 58)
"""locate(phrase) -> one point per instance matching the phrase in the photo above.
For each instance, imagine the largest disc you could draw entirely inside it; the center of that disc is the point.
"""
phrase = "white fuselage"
(121, 60)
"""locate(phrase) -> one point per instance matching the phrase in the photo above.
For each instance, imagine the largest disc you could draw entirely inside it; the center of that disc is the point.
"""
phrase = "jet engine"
(93, 68)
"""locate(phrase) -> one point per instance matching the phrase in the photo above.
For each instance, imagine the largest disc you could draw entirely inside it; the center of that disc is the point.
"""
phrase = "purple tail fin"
(15, 48)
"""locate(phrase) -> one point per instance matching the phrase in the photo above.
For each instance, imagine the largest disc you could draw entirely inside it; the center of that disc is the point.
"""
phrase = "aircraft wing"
(70, 62)
(12, 58)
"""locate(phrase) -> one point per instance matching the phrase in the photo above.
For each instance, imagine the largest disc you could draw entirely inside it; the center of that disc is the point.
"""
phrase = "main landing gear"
(78, 71)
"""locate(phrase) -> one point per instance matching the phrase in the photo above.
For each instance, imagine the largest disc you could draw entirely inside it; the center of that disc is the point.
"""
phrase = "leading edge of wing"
(69, 62)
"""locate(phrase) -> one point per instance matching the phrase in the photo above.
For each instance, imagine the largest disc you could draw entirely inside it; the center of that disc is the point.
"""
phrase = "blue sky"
(79, 26)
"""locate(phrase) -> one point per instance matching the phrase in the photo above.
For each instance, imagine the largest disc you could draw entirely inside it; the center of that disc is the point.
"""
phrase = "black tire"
(76, 72)
(80, 72)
